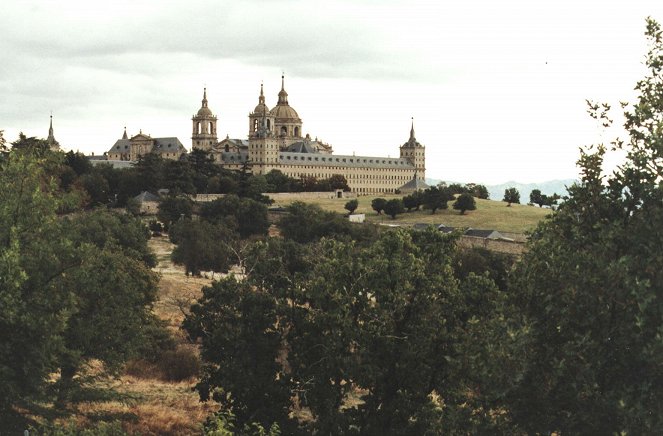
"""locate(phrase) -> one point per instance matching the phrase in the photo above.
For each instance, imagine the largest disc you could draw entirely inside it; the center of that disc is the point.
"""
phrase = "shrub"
(180, 364)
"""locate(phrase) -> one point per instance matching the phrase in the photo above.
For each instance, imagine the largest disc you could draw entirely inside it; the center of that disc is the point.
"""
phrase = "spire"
(205, 97)
(412, 131)
(52, 142)
(50, 130)
(261, 99)
(283, 96)
(125, 133)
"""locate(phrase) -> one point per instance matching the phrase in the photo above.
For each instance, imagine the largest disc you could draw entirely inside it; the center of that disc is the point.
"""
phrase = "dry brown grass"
(144, 402)
(153, 407)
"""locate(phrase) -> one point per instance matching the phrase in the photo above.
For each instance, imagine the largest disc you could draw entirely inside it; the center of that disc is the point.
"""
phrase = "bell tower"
(204, 127)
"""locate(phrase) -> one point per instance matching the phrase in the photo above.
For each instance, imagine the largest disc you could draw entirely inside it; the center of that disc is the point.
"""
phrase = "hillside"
(489, 214)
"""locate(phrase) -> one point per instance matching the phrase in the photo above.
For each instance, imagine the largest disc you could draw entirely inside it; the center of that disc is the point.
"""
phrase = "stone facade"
(130, 149)
(275, 142)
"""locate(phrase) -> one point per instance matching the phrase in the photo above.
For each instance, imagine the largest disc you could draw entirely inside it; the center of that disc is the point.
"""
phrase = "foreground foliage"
(320, 324)
(71, 288)
(591, 288)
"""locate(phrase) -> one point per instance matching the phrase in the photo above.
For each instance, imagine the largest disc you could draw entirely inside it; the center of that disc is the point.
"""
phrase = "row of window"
(343, 159)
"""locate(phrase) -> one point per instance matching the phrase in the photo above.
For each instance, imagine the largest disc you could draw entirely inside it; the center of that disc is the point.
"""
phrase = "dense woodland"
(368, 331)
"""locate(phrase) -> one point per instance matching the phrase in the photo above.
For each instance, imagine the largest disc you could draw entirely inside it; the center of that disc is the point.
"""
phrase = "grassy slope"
(494, 215)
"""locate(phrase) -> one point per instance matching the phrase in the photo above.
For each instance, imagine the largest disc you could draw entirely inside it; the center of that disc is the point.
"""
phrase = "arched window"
(296, 131)
(198, 128)
(211, 128)
(269, 126)
(284, 131)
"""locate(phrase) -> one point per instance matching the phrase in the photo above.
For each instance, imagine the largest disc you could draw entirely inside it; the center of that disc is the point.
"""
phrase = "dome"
(261, 108)
(284, 112)
(204, 111)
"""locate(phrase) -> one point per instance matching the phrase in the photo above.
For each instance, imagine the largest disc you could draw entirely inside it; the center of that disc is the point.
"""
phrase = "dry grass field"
(494, 215)
(148, 405)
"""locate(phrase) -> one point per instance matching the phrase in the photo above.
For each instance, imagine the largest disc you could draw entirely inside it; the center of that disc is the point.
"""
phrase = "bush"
(180, 364)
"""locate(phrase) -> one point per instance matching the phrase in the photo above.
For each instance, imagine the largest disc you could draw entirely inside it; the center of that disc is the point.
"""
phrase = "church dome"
(204, 111)
(284, 111)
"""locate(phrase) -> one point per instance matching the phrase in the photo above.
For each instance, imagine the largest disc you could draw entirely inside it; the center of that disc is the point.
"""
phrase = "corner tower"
(415, 153)
(204, 127)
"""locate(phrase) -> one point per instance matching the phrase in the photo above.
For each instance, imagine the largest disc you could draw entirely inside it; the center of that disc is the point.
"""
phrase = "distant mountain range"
(497, 191)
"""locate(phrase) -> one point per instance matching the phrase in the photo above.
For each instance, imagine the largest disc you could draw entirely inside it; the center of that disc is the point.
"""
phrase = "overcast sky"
(497, 89)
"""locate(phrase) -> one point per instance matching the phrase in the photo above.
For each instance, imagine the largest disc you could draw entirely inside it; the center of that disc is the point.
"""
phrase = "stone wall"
(496, 245)
(293, 196)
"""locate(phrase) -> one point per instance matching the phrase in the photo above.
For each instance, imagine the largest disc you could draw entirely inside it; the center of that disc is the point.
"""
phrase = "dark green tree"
(351, 206)
(203, 246)
(250, 215)
(172, 209)
(478, 191)
(394, 207)
(465, 201)
(535, 197)
(589, 287)
(241, 340)
(511, 195)
(435, 198)
(387, 322)
(338, 181)
(413, 201)
(72, 288)
(378, 205)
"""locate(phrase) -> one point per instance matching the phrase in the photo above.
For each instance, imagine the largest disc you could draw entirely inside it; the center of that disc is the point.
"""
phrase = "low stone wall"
(497, 245)
(285, 196)
(206, 197)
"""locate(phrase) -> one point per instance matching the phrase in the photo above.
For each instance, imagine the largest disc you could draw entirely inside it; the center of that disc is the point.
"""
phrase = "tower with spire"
(287, 124)
(415, 153)
(261, 121)
(53, 144)
(204, 126)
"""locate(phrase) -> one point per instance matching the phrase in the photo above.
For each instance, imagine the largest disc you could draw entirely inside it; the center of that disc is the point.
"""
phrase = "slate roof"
(488, 234)
(161, 145)
(233, 157)
(167, 145)
(301, 147)
(416, 184)
(146, 196)
(331, 160)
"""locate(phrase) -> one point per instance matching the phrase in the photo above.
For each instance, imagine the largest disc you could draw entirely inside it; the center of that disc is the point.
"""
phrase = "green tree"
(413, 201)
(172, 209)
(394, 207)
(478, 191)
(535, 197)
(511, 195)
(435, 198)
(351, 206)
(250, 215)
(378, 205)
(465, 201)
(241, 342)
(385, 321)
(589, 287)
(72, 288)
(338, 181)
(203, 246)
